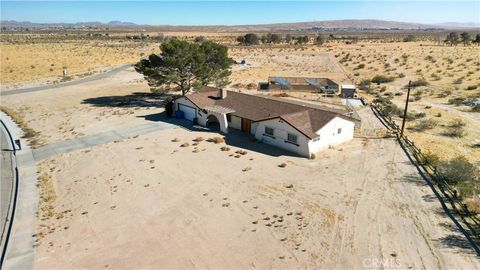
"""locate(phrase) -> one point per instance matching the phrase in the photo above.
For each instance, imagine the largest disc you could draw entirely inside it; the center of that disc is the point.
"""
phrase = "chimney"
(222, 93)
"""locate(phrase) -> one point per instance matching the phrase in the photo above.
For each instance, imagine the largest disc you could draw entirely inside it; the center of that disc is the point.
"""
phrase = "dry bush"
(198, 139)
(473, 204)
(225, 148)
(241, 152)
(283, 165)
(185, 145)
(423, 125)
(176, 140)
(216, 140)
(455, 129)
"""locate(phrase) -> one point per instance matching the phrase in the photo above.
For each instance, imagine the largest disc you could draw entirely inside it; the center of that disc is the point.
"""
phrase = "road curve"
(8, 187)
(70, 83)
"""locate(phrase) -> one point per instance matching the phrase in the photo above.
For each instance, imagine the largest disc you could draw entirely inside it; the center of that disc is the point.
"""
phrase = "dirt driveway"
(147, 202)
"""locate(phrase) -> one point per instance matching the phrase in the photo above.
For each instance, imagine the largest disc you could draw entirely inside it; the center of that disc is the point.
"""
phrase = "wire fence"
(447, 194)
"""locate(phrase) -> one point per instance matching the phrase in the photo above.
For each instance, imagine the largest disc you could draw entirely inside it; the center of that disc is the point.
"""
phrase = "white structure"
(296, 128)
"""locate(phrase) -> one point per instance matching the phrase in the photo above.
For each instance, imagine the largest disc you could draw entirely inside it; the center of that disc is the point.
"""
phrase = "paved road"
(7, 174)
(59, 85)
(104, 137)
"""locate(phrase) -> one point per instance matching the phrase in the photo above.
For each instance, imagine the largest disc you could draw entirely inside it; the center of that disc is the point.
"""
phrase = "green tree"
(251, 39)
(288, 38)
(183, 66)
(477, 39)
(465, 38)
(320, 40)
(452, 38)
(241, 39)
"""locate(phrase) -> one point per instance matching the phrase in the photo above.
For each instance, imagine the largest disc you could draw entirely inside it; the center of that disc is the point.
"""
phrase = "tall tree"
(477, 39)
(465, 38)
(183, 66)
(251, 39)
(452, 38)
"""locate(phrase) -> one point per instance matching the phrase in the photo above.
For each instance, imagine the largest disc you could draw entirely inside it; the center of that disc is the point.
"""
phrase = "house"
(297, 128)
(322, 85)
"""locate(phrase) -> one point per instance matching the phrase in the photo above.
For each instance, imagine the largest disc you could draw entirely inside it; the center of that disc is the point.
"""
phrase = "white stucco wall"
(185, 102)
(329, 134)
(236, 122)
(281, 129)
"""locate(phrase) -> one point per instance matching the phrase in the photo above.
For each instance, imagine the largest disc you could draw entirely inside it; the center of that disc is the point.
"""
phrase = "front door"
(246, 124)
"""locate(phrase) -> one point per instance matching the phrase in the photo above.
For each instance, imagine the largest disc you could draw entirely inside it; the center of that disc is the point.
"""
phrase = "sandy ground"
(24, 62)
(262, 63)
(146, 202)
(149, 203)
(89, 108)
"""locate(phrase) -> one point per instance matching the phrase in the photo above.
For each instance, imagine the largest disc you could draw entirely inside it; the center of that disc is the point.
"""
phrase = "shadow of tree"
(458, 241)
(414, 179)
(137, 99)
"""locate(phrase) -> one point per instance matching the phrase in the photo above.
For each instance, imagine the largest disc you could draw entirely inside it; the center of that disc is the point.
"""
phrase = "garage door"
(189, 112)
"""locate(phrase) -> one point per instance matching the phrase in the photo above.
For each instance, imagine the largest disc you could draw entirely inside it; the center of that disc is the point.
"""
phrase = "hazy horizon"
(206, 13)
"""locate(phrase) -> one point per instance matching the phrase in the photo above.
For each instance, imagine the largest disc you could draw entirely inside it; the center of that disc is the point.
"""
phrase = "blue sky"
(238, 12)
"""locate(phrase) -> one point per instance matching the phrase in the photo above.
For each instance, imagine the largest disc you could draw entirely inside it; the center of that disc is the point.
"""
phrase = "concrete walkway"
(65, 84)
(20, 251)
(100, 138)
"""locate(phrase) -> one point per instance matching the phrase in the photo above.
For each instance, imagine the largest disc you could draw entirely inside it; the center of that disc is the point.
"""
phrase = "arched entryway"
(212, 122)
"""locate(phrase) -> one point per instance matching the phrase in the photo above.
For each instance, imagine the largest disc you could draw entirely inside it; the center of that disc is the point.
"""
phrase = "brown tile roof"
(305, 119)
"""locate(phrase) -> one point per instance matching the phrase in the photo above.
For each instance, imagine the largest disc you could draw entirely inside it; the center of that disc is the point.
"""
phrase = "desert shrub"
(423, 125)
(444, 94)
(401, 75)
(476, 108)
(430, 158)
(456, 101)
(420, 115)
(360, 66)
(430, 58)
(419, 82)
(455, 129)
(365, 85)
(473, 204)
(216, 140)
(458, 170)
(458, 81)
(472, 87)
(418, 95)
(382, 79)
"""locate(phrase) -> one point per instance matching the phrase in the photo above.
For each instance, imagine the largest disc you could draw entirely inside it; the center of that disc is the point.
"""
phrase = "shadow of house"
(234, 138)
(135, 100)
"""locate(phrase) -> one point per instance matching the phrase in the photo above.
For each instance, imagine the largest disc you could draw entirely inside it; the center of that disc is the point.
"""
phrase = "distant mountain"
(119, 23)
(460, 25)
(353, 25)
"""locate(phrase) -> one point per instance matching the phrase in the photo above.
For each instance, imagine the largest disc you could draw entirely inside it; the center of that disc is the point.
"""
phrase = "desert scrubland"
(173, 199)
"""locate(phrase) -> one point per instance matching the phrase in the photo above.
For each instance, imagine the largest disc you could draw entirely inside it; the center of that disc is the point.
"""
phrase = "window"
(269, 131)
(229, 117)
(339, 131)
(292, 138)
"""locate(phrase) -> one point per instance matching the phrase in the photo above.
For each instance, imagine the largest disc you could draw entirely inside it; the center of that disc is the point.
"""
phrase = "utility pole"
(406, 108)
